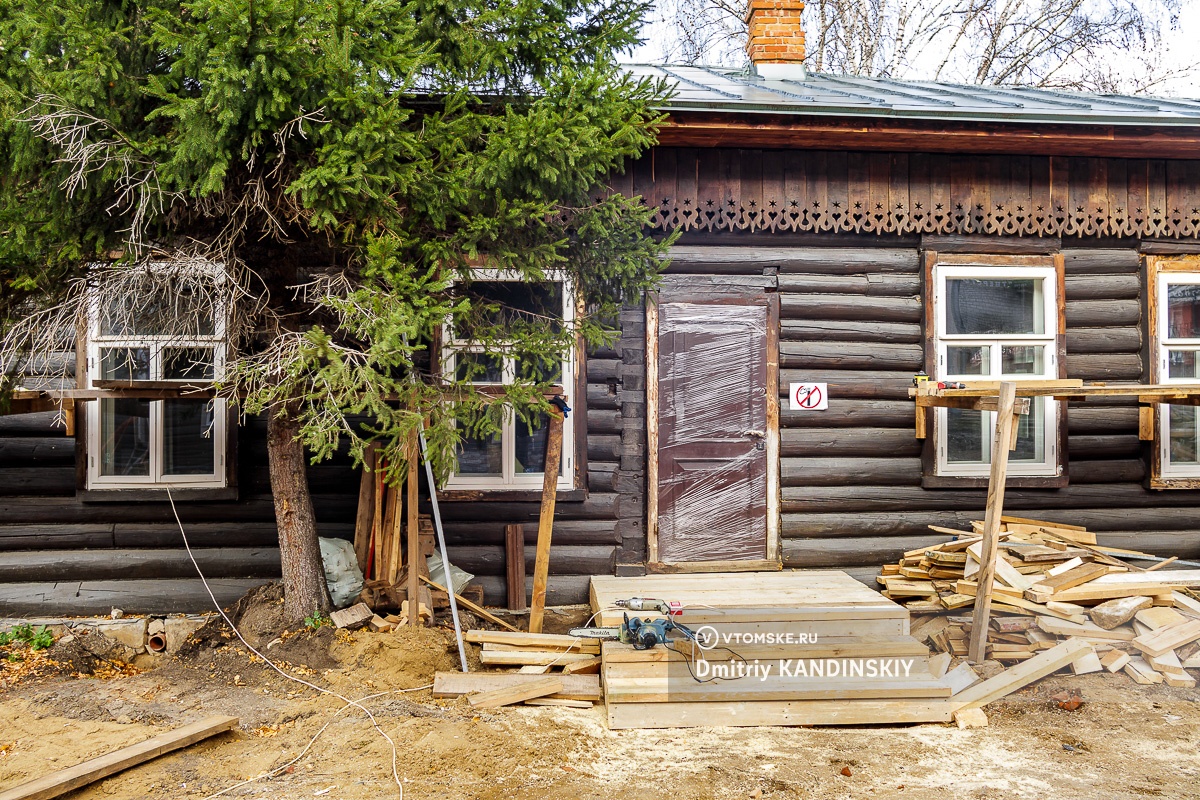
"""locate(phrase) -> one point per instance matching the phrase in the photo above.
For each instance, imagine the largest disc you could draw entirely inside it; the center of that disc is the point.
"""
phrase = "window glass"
(967, 434)
(125, 363)
(187, 363)
(502, 302)
(139, 315)
(530, 444)
(1031, 434)
(188, 437)
(124, 437)
(1184, 431)
(481, 455)
(1183, 311)
(1022, 359)
(993, 306)
(1181, 364)
(976, 360)
(479, 368)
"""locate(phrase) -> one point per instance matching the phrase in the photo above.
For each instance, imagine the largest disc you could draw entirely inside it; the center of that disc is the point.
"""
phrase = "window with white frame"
(514, 458)
(996, 323)
(148, 443)
(1178, 339)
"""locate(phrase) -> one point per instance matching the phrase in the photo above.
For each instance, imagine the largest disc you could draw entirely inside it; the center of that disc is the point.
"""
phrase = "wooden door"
(715, 384)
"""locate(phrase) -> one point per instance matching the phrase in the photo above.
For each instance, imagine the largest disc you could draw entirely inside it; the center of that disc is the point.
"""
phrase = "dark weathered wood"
(845, 413)
(98, 598)
(601, 422)
(1114, 446)
(603, 447)
(1108, 471)
(851, 551)
(1098, 261)
(873, 283)
(839, 442)
(561, 590)
(41, 423)
(46, 481)
(1106, 367)
(856, 471)
(1003, 245)
(853, 384)
(850, 307)
(596, 506)
(601, 396)
(820, 260)
(1082, 341)
(1103, 287)
(602, 476)
(1102, 420)
(567, 532)
(796, 330)
(33, 536)
(108, 564)
(568, 560)
(600, 370)
(1102, 313)
(514, 566)
(37, 451)
(851, 355)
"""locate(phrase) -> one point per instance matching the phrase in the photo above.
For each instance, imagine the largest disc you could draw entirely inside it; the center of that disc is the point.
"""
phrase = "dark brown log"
(98, 598)
(1082, 341)
(1103, 313)
(852, 499)
(44, 481)
(1101, 262)
(851, 355)
(305, 591)
(596, 506)
(37, 451)
(600, 370)
(795, 330)
(852, 551)
(1103, 287)
(1105, 420)
(600, 397)
(873, 283)
(561, 590)
(1104, 471)
(601, 476)
(855, 471)
(850, 307)
(54, 510)
(41, 423)
(853, 414)
(820, 260)
(603, 447)
(1114, 446)
(604, 421)
(95, 565)
(566, 532)
(1107, 367)
(999, 245)
(852, 384)
(915, 523)
(35, 537)
(835, 442)
(567, 560)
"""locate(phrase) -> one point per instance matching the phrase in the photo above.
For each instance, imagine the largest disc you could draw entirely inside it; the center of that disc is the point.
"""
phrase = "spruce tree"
(350, 164)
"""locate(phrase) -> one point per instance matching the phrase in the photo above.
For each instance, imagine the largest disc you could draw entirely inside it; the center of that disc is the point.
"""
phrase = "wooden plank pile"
(1054, 582)
(543, 669)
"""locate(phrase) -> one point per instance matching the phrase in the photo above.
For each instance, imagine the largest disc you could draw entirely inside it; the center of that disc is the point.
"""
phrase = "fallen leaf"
(846, 771)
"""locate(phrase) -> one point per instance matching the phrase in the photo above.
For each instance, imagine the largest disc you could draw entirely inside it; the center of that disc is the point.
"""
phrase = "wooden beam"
(474, 609)
(1026, 672)
(541, 564)
(991, 526)
(514, 564)
(65, 780)
(365, 518)
(414, 529)
(516, 693)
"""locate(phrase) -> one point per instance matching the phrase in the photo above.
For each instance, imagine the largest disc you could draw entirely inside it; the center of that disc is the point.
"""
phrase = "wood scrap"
(456, 684)
(66, 780)
(473, 607)
(353, 617)
(516, 693)
(1160, 641)
(970, 718)
(1115, 660)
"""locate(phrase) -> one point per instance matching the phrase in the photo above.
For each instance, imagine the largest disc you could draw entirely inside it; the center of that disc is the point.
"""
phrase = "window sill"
(509, 495)
(157, 495)
(982, 482)
(1175, 483)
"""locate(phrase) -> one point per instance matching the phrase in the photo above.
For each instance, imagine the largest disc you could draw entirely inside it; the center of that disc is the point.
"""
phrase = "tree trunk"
(304, 588)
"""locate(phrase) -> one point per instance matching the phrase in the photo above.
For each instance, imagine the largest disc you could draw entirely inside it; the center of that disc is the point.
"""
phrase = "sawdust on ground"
(1125, 741)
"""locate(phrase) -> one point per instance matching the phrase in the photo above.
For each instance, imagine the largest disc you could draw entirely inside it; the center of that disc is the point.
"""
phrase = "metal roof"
(723, 89)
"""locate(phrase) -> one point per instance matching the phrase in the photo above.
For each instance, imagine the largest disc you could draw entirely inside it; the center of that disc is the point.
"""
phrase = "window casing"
(514, 458)
(1177, 348)
(136, 443)
(996, 323)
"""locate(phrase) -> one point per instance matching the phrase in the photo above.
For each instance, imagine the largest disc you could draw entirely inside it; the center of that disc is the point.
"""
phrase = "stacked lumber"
(1054, 582)
(542, 669)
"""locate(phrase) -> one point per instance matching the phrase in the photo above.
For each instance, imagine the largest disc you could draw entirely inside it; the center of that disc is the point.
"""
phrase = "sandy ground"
(1125, 741)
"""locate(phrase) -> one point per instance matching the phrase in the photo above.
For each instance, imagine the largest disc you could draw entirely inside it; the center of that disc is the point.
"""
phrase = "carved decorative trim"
(859, 216)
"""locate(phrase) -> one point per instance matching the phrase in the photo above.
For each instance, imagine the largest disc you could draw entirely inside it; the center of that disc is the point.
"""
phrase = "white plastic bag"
(438, 575)
(342, 574)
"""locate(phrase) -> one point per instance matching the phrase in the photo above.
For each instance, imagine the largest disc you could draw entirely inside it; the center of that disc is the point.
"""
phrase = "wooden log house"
(835, 230)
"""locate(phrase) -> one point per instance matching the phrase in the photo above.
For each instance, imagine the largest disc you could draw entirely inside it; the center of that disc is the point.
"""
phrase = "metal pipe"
(437, 522)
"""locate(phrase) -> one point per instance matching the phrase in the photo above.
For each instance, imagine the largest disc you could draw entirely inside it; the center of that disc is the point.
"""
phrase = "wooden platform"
(811, 647)
(825, 602)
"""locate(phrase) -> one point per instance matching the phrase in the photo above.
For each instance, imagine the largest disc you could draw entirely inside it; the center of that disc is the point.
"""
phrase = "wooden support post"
(365, 520)
(1005, 422)
(514, 561)
(372, 568)
(541, 565)
(414, 530)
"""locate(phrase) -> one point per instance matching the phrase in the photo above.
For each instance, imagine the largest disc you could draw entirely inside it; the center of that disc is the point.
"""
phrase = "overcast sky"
(1182, 45)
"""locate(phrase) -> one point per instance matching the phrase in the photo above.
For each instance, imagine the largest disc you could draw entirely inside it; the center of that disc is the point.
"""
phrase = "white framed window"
(146, 443)
(514, 458)
(996, 323)
(1178, 347)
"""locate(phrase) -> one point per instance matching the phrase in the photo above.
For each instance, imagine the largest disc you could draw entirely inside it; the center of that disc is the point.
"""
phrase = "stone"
(129, 632)
(1112, 613)
(176, 630)
(156, 626)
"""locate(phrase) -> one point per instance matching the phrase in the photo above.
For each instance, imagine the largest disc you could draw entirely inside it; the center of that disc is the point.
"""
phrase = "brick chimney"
(776, 41)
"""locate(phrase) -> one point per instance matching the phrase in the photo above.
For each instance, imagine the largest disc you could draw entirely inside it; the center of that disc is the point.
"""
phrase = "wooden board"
(455, 684)
(825, 647)
(805, 594)
(517, 692)
(777, 712)
(1026, 672)
(66, 780)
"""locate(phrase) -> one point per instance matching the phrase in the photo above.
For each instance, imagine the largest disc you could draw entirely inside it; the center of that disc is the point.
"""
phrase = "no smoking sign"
(808, 396)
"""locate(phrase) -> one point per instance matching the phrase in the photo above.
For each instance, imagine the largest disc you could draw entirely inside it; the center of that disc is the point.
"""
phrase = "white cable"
(272, 664)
